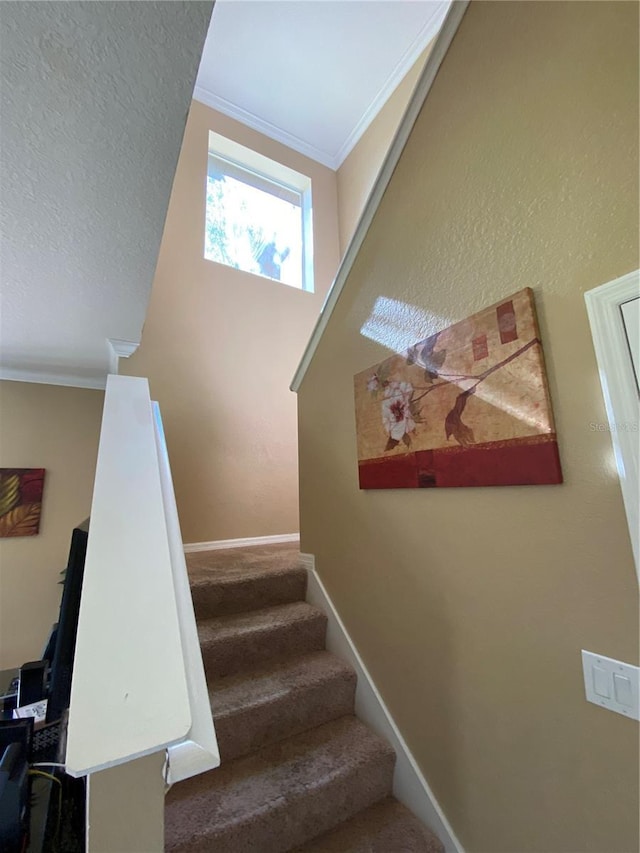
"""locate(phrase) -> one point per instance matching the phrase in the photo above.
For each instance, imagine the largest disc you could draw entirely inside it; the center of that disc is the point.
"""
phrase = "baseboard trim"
(222, 544)
(409, 785)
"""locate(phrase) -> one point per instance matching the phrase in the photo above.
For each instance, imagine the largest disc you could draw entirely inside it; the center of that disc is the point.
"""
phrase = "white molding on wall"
(119, 349)
(404, 65)
(332, 159)
(444, 39)
(409, 784)
(620, 388)
(223, 544)
(68, 380)
(116, 349)
(209, 99)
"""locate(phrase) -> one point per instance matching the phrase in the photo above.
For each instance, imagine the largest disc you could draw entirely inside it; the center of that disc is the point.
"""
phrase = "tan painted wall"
(220, 348)
(126, 807)
(470, 606)
(44, 426)
(357, 174)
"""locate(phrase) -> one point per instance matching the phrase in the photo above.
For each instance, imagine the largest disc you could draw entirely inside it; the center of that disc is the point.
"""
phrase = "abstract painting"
(20, 501)
(467, 406)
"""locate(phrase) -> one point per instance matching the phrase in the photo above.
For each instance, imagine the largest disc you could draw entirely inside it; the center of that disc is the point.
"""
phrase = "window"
(258, 215)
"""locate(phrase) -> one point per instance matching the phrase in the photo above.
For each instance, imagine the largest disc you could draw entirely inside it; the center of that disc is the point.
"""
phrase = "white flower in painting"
(396, 410)
(373, 383)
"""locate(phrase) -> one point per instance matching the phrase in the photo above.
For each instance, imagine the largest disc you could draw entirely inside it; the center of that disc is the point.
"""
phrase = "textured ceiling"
(312, 73)
(94, 102)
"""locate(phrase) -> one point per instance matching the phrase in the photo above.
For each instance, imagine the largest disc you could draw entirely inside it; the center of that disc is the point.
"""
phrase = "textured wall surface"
(220, 347)
(359, 171)
(470, 606)
(94, 102)
(43, 426)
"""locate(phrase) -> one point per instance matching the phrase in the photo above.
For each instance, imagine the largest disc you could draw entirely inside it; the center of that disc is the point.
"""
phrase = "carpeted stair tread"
(283, 795)
(233, 581)
(386, 827)
(274, 702)
(236, 643)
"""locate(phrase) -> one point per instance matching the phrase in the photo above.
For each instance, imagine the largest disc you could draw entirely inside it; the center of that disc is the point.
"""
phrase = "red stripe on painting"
(393, 472)
(520, 462)
(507, 322)
(506, 465)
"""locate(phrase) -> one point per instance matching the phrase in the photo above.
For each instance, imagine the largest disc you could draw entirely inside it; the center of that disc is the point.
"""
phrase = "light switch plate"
(611, 684)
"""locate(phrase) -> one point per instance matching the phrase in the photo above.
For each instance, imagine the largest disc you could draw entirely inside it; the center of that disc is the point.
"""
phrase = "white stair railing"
(138, 680)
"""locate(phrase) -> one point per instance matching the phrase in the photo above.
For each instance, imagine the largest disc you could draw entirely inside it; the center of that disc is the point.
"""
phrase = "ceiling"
(312, 73)
(94, 105)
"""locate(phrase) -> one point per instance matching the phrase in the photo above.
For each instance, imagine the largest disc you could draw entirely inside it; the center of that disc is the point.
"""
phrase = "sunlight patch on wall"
(397, 325)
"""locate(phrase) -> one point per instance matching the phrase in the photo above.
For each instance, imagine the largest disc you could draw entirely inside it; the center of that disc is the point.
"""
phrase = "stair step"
(237, 643)
(265, 705)
(225, 582)
(283, 795)
(385, 827)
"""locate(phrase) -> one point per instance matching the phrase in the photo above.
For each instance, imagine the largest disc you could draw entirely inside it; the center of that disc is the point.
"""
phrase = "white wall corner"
(119, 349)
(409, 785)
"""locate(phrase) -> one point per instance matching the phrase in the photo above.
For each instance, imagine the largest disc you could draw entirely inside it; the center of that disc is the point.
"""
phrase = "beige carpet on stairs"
(299, 772)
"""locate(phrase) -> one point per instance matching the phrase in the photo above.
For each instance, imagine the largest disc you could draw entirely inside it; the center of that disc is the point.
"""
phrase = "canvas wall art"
(467, 406)
(20, 501)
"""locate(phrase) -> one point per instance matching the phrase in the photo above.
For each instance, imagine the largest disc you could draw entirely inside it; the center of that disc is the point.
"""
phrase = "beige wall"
(44, 426)
(220, 348)
(471, 606)
(358, 172)
(126, 807)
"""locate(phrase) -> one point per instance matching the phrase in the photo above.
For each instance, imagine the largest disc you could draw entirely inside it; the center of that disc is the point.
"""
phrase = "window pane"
(253, 230)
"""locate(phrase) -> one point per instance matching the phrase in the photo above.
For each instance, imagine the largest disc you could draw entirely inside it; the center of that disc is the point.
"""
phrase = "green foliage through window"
(253, 223)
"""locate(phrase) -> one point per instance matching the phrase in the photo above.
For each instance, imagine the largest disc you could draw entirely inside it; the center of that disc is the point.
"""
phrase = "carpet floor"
(299, 773)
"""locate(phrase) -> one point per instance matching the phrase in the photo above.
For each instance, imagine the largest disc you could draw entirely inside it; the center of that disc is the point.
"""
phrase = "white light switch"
(601, 681)
(622, 689)
(611, 684)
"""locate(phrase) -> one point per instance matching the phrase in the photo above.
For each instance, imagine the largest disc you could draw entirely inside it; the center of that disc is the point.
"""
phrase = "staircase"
(299, 771)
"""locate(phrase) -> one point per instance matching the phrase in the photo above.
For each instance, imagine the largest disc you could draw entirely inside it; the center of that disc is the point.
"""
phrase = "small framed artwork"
(20, 501)
(614, 314)
(467, 406)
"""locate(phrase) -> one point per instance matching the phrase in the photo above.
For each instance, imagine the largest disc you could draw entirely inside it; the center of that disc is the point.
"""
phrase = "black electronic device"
(65, 639)
(15, 744)
(32, 686)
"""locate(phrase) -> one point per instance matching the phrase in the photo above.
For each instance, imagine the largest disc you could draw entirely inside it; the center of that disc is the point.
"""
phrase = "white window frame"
(619, 387)
(268, 171)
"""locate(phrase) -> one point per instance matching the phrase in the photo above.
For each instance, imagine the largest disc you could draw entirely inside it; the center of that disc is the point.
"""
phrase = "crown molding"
(420, 93)
(332, 159)
(405, 63)
(119, 349)
(69, 380)
(253, 121)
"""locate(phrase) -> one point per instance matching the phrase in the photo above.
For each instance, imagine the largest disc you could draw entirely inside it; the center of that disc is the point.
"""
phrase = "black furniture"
(61, 827)
(15, 745)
